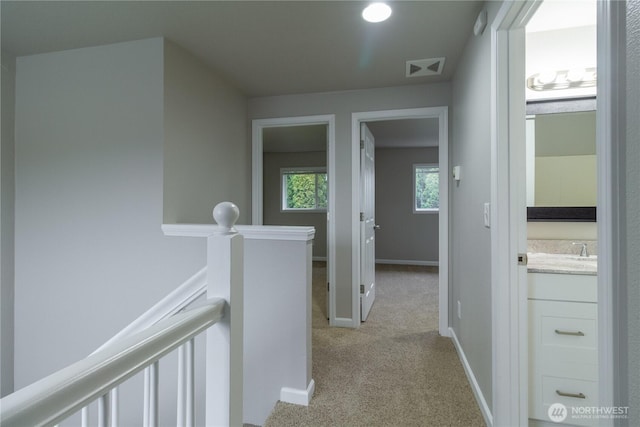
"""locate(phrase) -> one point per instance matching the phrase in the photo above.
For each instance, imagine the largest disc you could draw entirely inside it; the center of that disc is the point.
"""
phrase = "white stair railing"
(63, 393)
(177, 300)
(95, 377)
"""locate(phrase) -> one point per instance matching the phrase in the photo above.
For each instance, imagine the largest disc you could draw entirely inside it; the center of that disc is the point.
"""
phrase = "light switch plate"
(456, 173)
(487, 215)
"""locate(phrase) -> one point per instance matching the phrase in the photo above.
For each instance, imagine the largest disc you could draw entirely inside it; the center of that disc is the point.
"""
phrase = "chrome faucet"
(583, 250)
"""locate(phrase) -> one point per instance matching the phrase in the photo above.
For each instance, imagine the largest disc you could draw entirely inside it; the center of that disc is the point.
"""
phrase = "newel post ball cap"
(226, 214)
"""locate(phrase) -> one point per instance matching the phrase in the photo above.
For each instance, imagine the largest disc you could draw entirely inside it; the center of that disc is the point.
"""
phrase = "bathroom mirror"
(561, 160)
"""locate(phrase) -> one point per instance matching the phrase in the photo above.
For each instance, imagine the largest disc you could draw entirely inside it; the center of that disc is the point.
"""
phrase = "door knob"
(376, 227)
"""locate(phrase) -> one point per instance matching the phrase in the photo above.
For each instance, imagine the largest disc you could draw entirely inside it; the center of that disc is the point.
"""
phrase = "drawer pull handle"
(575, 334)
(576, 395)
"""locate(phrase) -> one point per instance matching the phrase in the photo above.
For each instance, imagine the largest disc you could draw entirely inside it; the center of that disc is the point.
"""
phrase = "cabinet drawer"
(562, 287)
(563, 339)
(560, 390)
(563, 357)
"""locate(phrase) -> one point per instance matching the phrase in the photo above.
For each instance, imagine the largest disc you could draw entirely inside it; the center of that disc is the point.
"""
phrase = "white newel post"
(224, 366)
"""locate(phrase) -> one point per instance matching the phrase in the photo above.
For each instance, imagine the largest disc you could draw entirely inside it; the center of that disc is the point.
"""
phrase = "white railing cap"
(249, 232)
(226, 214)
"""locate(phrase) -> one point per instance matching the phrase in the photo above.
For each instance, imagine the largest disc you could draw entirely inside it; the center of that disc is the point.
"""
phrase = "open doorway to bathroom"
(561, 203)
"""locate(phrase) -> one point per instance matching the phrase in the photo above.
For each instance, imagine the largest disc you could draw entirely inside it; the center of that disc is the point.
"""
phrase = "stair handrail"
(174, 302)
(63, 393)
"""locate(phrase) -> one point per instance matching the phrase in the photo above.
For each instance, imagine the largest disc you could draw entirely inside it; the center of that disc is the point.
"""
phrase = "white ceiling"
(561, 14)
(262, 47)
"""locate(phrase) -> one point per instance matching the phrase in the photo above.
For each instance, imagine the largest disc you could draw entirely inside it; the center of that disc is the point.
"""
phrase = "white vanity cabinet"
(563, 342)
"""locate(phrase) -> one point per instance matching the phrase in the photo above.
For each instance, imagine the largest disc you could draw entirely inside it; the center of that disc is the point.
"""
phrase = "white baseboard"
(296, 396)
(407, 262)
(319, 258)
(343, 322)
(475, 387)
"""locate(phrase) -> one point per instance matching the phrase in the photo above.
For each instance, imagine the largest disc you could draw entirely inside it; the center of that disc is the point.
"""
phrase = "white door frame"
(509, 302)
(257, 127)
(441, 113)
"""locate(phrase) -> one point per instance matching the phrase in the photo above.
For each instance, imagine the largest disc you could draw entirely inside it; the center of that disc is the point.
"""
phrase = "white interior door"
(367, 222)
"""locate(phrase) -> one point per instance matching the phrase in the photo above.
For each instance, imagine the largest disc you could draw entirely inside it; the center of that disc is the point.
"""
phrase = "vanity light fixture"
(563, 79)
(376, 12)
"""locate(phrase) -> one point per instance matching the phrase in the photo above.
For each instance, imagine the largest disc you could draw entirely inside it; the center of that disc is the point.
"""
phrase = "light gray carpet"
(393, 371)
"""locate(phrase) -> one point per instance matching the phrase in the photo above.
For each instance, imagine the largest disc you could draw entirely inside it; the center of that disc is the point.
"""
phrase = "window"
(304, 189)
(426, 188)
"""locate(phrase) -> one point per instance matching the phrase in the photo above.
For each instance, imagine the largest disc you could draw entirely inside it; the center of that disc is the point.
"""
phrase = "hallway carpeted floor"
(393, 371)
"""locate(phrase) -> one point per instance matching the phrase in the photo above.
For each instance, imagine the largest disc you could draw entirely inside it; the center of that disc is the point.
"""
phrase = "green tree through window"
(426, 185)
(304, 190)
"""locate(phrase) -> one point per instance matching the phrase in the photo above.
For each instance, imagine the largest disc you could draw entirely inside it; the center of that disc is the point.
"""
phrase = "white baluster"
(186, 387)
(85, 416)
(190, 384)
(103, 411)
(114, 407)
(224, 357)
(181, 410)
(150, 418)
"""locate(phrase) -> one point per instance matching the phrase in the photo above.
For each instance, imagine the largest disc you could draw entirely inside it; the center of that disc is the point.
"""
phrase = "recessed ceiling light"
(376, 12)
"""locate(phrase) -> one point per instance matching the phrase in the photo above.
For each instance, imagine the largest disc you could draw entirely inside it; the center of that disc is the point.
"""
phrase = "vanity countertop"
(562, 263)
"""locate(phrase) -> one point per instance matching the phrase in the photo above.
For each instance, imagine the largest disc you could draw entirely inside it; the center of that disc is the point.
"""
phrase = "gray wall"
(204, 135)
(403, 235)
(343, 104)
(632, 155)
(272, 215)
(90, 254)
(470, 241)
(6, 224)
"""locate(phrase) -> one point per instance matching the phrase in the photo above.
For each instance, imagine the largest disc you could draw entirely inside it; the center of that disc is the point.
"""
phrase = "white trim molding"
(473, 382)
(610, 140)
(442, 114)
(296, 396)
(407, 262)
(343, 322)
(508, 231)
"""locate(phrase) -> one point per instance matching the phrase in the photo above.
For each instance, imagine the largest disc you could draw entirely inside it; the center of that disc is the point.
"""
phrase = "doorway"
(306, 145)
(509, 236)
(440, 114)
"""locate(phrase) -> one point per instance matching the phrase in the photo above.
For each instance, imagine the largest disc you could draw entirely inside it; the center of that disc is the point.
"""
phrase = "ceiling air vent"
(425, 67)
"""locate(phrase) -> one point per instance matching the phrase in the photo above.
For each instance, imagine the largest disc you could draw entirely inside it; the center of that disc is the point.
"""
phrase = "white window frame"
(283, 189)
(413, 197)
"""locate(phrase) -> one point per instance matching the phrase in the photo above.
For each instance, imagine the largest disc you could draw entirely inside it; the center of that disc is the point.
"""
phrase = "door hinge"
(522, 259)
(328, 287)
(362, 289)
(361, 216)
(362, 144)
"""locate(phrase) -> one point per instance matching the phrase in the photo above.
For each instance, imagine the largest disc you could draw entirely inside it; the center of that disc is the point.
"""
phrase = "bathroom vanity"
(563, 338)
